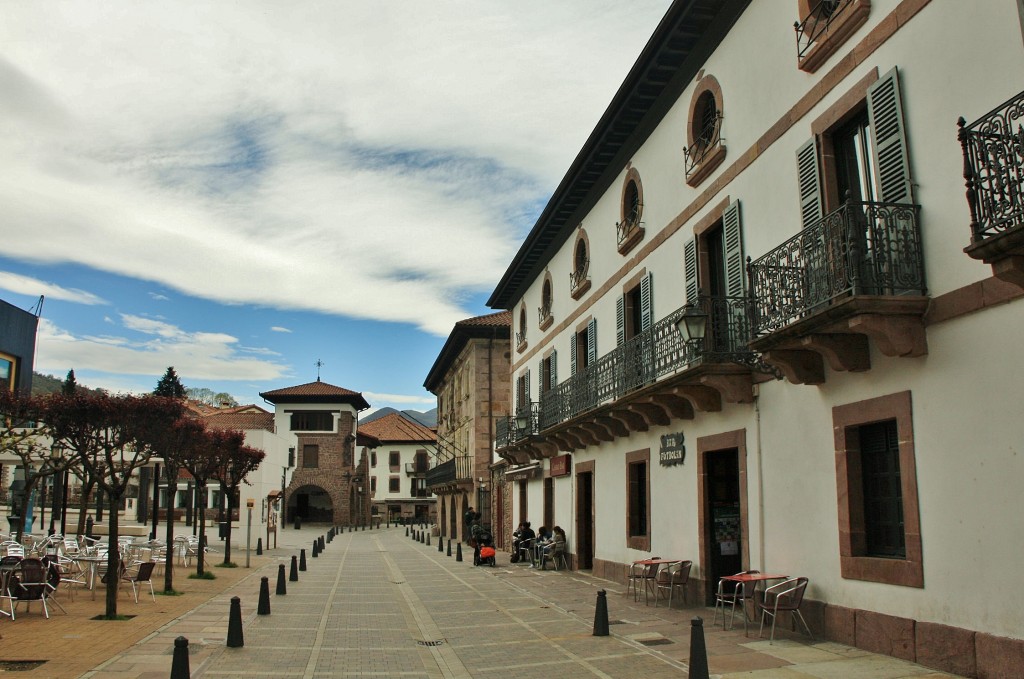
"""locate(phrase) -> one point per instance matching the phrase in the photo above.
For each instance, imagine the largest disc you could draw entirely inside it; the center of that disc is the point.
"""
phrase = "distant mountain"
(48, 384)
(427, 419)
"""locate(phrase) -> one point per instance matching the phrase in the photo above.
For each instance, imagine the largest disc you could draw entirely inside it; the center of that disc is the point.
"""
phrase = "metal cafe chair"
(672, 578)
(727, 595)
(785, 596)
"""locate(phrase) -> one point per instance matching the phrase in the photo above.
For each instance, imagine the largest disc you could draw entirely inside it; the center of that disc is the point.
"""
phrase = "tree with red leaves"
(232, 468)
(202, 461)
(111, 437)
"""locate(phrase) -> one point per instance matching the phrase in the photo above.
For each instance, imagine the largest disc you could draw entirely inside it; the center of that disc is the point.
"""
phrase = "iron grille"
(816, 24)
(579, 276)
(993, 148)
(863, 248)
(707, 141)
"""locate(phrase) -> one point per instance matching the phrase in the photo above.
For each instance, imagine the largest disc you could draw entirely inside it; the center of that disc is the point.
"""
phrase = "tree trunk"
(227, 541)
(83, 505)
(202, 532)
(169, 536)
(113, 560)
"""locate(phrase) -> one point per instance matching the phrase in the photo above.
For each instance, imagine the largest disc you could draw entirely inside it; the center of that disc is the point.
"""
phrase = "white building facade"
(398, 469)
(846, 413)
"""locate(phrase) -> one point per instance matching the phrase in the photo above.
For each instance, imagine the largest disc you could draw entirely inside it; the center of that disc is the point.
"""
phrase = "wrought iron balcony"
(857, 271)
(709, 140)
(993, 149)
(450, 472)
(520, 340)
(578, 280)
(544, 318)
(824, 29)
(651, 355)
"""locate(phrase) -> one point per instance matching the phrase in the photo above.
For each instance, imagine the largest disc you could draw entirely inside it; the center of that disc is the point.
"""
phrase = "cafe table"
(745, 579)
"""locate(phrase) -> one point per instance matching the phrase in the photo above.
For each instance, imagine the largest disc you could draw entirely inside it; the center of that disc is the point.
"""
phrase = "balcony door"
(715, 269)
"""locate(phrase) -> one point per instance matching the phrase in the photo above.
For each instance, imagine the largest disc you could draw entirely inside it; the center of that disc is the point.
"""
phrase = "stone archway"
(311, 503)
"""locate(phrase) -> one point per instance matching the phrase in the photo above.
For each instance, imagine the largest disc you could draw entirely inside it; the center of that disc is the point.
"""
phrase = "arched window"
(544, 317)
(705, 150)
(579, 280)
(521, 335)
(630, 227)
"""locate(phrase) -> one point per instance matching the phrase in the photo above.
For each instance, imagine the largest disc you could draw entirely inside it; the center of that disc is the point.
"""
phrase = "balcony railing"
(520, 339)
(451, 471)
(993, 148)
(577, 277)
(817, 24)
(513, 428)
(710, 138)
(653, 354)
(860, 249)
(627, 228)
(543, 313)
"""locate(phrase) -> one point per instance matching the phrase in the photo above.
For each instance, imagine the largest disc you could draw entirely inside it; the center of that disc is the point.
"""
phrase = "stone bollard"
(698, 653)
(323, 545)
(428, 539)
(179, 664)
(458, 552)
(235, 624)
(406, 531)
(263, 608)
(449, 546)
(259, 546)
(316, 549)
(302, 559)
(601, 615)
(440, 544)
(281, 587)
(293, 572)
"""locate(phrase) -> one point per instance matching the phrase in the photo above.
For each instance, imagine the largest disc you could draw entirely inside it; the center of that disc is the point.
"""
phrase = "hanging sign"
(673, 450)
(561, 465)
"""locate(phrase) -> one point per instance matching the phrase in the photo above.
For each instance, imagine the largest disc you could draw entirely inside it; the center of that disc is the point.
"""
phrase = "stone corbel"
(844, 353)
(733, 388)
(799, 366)
(893, 335)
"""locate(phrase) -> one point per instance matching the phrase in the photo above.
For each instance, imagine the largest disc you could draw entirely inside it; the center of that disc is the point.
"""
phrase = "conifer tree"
(169, 385)
(70, 384)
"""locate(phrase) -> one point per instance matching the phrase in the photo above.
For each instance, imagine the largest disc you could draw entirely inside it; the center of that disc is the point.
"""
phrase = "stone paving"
(378, 604)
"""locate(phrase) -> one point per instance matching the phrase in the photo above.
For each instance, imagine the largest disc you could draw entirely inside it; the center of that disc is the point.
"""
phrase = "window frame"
(841, 24)
(310, 456)
(579, 277)
(313, 416)
(638, 508)
(394, 460)
(855, 564)
(544, 312)
(629, 229)
(703, 156)
(394, 484)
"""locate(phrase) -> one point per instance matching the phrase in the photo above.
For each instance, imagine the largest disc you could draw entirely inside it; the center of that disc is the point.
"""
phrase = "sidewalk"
(378, 604)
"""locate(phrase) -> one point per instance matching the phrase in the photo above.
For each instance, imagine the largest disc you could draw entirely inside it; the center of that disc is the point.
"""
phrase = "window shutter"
(553, 368)
(810, 183)
(646, 301)
(690, 266)
(592, 342)
(572, 354)
(733, 232)
(620, 321)
(888, 137)
(526, 388)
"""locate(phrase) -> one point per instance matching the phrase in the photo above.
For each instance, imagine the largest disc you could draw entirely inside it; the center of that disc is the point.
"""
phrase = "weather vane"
(319, 364)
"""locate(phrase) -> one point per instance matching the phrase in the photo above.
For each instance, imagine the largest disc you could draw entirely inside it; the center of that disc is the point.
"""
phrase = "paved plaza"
(378, 604)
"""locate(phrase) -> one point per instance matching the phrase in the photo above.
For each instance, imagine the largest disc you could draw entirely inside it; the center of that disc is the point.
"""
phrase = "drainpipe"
(760, 476)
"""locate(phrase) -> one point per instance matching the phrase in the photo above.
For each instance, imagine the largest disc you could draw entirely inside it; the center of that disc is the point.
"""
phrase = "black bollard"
(449, 546)
(302, 560)
(322, 543)
(298, 523)
(235, 624)
(88, 527)
(601, 615)
(698, 653)
(428, 539)
(440, 544)
(281, 587)
(293, 572)
(364, 526)
(316, 549)
(406, 531)
(179, 664)
(263, 608)
(458, 552)
(259, 546)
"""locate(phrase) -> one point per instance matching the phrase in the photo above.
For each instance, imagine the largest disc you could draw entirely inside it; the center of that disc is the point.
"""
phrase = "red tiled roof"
(241, 420)
(495, 320)
(394, 427)
(316, 392)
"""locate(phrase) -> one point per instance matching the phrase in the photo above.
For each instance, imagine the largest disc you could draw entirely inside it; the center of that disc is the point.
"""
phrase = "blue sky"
(242, 189)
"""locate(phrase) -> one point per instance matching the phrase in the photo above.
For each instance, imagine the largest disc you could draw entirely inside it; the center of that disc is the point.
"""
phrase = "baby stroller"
(485, 552)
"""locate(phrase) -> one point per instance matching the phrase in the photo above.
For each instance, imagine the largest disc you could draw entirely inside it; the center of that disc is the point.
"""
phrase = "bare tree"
(202, 461)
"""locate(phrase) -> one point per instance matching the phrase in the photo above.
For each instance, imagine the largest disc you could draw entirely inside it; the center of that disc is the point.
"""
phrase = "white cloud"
(278, 328)
(147, 347)
(25, 285)
(158, 297)
(366, 159)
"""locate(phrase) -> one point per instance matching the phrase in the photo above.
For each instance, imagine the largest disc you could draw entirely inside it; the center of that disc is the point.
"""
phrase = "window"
(704, 148)
(373, 484)
(824, 26)
(7, 372)
(420, 463)
(549, 503)
(544, 312)
(394, 460)
(523, 390)
(419, 488)
(579, 282)
(583, 348)
(394, 484)
(524, 514)
(310, 456)
(638, 500)
(521, 335)
(373, 458)
(549, 373)
(634, 312)
(876, 479)
(716, 272)
(629, 228)
(312, 420)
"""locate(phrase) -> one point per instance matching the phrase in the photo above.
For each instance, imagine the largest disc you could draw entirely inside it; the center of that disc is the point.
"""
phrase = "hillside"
(427, 419)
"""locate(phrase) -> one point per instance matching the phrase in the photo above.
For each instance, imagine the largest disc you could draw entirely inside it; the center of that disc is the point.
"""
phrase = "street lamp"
(692, 324)
(56, 455)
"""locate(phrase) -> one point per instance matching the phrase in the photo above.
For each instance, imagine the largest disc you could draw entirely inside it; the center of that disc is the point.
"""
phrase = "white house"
(398, 468)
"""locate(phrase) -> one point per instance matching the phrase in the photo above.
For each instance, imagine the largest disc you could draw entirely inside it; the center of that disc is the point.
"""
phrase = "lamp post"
(56, 455)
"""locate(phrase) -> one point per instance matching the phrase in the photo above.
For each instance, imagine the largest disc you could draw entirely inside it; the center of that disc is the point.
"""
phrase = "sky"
(244, 189)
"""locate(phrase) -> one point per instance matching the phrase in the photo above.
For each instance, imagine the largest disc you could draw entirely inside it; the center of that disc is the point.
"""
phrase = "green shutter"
(592, 342)
(646, 302)
(733, 232)
(526, 385)
(889, 139)
(572, 353)
(620, 320)
(690, 266)
(810, 183)
(553, 368)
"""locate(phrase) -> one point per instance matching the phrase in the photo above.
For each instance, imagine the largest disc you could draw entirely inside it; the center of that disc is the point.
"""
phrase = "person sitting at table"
(554, 546)
(543, 539)
(526, 537)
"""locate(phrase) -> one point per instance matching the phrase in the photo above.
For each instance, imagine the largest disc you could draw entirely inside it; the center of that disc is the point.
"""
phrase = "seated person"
(543, 539)
(526, 536)
(556, 545)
